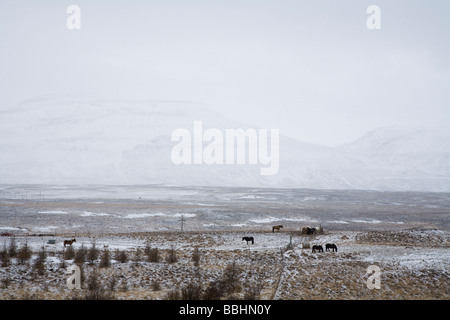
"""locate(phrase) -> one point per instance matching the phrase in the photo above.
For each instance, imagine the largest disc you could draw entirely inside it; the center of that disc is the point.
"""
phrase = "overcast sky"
(309, 68)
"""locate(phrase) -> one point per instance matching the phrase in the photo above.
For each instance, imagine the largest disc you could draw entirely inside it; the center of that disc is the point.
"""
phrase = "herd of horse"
(328, 247)
(306, 230)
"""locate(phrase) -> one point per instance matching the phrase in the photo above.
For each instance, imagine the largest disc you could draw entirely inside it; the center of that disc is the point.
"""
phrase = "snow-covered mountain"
(71, 140)
(407, 148)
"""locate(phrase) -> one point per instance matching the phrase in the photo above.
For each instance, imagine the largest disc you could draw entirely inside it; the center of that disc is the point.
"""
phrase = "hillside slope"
(67, 140)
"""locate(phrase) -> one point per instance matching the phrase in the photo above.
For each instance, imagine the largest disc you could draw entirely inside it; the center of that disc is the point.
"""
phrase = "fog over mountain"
(62, 139)
(418, 148)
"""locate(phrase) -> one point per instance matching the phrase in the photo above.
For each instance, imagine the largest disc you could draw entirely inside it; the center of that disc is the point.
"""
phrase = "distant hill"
(71, 140)
(423, 149)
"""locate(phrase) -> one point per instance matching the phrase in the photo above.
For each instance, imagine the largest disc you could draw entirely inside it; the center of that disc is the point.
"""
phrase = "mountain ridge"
(66, 140)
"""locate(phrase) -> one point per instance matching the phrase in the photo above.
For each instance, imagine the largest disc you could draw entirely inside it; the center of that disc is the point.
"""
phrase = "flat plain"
(197, 235)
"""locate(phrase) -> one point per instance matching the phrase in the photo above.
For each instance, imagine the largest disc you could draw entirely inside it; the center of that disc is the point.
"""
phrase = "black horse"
(248, 239)
(331, 246)
(318, 248)
(309, 230)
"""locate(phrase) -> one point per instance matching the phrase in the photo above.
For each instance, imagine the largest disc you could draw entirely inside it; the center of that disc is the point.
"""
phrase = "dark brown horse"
(318, 248)
(309, 230)
(330, 246)
(69, 242)
(248, 239)
(278, 227)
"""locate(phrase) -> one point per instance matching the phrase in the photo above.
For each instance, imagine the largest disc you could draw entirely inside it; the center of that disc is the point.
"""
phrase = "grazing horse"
(318, 248)
(309, 230)
(330, 246)
(277, 228)
(248, 239)
(69, 242)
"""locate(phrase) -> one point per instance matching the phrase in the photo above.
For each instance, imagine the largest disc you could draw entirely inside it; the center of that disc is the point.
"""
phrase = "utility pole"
(182, 222)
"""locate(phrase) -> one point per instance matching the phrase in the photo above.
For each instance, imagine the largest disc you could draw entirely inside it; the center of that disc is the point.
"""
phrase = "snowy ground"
(405, 234)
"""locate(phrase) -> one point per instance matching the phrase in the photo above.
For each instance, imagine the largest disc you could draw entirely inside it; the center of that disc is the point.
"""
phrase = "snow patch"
(94, 214)
(53, 212)
(158, 214)
(273, 219)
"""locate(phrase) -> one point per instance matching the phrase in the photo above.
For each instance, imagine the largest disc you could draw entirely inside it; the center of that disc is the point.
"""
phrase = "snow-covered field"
(405, 234)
